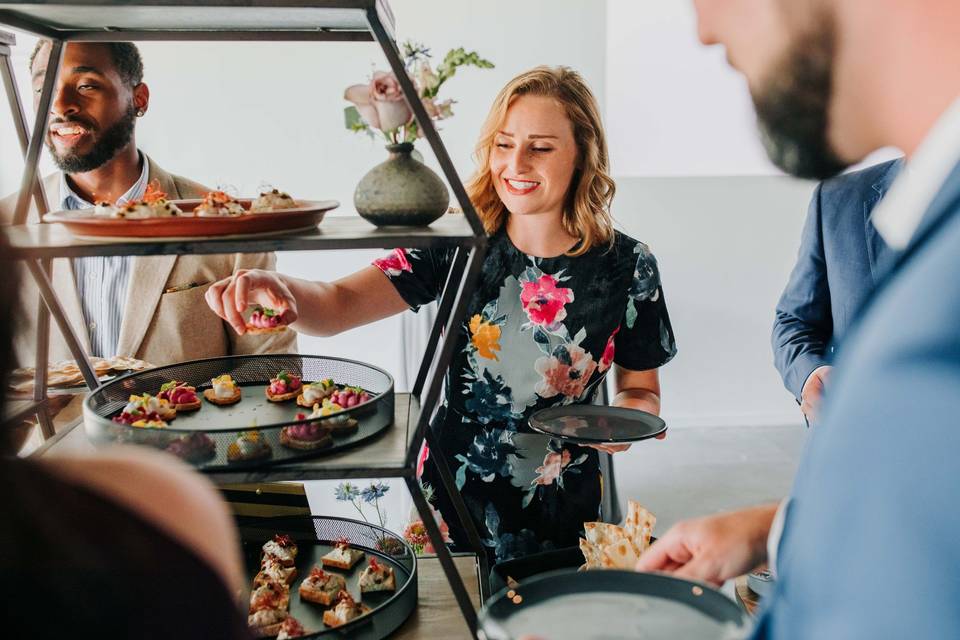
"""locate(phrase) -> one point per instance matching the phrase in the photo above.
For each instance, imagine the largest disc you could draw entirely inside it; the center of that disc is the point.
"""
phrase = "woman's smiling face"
(534, 156)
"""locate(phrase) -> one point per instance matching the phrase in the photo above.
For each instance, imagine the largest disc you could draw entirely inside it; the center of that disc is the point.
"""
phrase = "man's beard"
(113, 139)
(793, 107)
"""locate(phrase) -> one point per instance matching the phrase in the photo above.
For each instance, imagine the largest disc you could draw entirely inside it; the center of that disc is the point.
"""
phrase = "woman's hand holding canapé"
(231, 297)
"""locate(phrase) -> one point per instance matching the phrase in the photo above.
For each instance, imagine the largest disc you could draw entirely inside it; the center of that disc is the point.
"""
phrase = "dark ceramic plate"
(592, 424)
(605, 604)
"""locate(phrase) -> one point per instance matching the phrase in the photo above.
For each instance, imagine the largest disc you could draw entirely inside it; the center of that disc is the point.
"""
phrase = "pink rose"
(381, 103)
(607, 358)
(544, 301)
(394, 264)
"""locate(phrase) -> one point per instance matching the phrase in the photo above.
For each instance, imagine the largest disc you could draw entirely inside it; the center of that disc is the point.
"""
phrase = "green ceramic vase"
(401, 191)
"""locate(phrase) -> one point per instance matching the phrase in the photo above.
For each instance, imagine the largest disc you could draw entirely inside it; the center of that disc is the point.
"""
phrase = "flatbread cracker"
(608, 546)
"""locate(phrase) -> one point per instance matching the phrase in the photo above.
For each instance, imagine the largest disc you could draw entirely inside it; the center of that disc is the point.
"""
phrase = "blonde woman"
(563, 300)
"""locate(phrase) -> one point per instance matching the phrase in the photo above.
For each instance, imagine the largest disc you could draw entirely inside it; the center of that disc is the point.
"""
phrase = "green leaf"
(459, 58)
(353, 120)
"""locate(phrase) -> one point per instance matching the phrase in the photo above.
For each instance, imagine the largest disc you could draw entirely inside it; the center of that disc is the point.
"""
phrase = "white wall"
(725, 246)
(676, 107)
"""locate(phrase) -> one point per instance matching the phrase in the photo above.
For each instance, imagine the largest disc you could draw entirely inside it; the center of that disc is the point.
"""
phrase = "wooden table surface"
(437, 615)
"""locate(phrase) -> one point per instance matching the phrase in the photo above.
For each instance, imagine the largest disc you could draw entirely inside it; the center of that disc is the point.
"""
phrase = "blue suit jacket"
(837, 268)
(871, 546)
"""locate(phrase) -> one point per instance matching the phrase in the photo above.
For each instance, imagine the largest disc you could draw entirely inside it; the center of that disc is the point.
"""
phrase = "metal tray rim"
(488, 623)
(90, 412)
(401, 592)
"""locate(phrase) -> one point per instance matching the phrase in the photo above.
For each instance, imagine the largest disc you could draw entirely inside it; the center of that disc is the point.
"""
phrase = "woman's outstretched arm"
(313, 308)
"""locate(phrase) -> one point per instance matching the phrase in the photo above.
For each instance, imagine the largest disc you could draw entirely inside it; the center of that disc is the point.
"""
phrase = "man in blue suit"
(840, 259)
(870, 539)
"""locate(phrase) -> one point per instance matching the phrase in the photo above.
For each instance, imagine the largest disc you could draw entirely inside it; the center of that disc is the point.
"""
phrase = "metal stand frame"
(464, 274)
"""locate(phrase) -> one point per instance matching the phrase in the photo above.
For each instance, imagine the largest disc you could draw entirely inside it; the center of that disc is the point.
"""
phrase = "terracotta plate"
(82, 222)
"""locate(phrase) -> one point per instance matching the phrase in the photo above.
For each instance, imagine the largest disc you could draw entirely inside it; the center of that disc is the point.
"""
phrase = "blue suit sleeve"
(804, 323)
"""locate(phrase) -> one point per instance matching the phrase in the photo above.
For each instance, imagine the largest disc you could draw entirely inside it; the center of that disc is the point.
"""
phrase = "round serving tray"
(308, 215)
(223, 424)
(604, 604)
(595, 424)
(315, 536)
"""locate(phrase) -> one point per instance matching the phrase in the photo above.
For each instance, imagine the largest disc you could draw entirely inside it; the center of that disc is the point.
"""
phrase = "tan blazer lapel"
(65, 284)
(164, 179)
(148, 277)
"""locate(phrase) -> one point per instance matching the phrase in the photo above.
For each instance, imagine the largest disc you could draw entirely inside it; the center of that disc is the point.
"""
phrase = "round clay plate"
(308, 215)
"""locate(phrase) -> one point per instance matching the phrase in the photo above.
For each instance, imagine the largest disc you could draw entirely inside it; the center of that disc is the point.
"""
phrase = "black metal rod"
(435, 383)
(443, 555)
(53, 304)
(443, 310)
(39, 132)
(424, 121)
(47, 428)
(18, 21)
(40, 362)
(450, 486)
(19, 415)
(181, 35)
(20, 122)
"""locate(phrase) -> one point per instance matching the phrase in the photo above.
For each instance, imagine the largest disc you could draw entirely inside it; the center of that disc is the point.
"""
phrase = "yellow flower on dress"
(485, 336)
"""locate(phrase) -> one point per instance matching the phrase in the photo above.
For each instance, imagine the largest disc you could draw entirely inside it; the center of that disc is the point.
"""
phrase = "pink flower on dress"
(553, 465)
(394, 264)
(607, 358)
(544, 301)
(559, 377)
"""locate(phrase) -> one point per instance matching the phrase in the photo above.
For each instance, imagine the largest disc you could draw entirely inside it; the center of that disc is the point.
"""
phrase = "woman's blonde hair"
(587, 212)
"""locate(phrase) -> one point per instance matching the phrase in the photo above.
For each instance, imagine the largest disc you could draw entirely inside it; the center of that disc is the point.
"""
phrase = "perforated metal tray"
(315, 536)
(223, 424)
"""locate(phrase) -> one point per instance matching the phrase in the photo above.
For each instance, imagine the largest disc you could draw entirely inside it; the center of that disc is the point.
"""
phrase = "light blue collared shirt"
(102, 281)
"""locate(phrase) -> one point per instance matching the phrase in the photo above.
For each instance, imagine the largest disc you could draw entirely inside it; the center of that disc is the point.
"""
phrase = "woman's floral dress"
(539, 332)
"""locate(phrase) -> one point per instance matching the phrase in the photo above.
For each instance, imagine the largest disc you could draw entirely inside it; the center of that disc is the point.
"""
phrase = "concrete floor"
(699, 471)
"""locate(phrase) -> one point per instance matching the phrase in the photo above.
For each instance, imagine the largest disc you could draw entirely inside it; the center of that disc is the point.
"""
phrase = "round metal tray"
(315, 536)
(223, 424)
(594, 424)
(603, 604)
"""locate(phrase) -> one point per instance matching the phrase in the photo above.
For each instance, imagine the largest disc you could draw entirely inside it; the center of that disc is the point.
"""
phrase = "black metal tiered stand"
(251, 20)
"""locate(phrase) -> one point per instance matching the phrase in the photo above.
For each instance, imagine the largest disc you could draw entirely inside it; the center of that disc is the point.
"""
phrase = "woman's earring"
(140, 113)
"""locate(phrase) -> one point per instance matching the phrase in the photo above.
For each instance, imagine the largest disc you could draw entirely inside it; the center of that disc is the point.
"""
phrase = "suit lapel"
(944, 204)
(878, 253)
(148, 277)
(65, 284)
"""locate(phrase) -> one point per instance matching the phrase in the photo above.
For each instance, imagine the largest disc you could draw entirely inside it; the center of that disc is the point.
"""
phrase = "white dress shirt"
(102, 280)
(896, 218)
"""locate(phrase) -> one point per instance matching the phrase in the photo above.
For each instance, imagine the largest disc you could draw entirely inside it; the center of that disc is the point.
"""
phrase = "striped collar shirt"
(102, 281)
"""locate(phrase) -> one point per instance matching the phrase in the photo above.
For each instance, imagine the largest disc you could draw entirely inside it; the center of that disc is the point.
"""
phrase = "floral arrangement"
(348, 492)
(380, 105)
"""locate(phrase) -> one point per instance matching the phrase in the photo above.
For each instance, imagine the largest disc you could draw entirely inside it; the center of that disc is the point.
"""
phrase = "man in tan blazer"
(91, 137)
